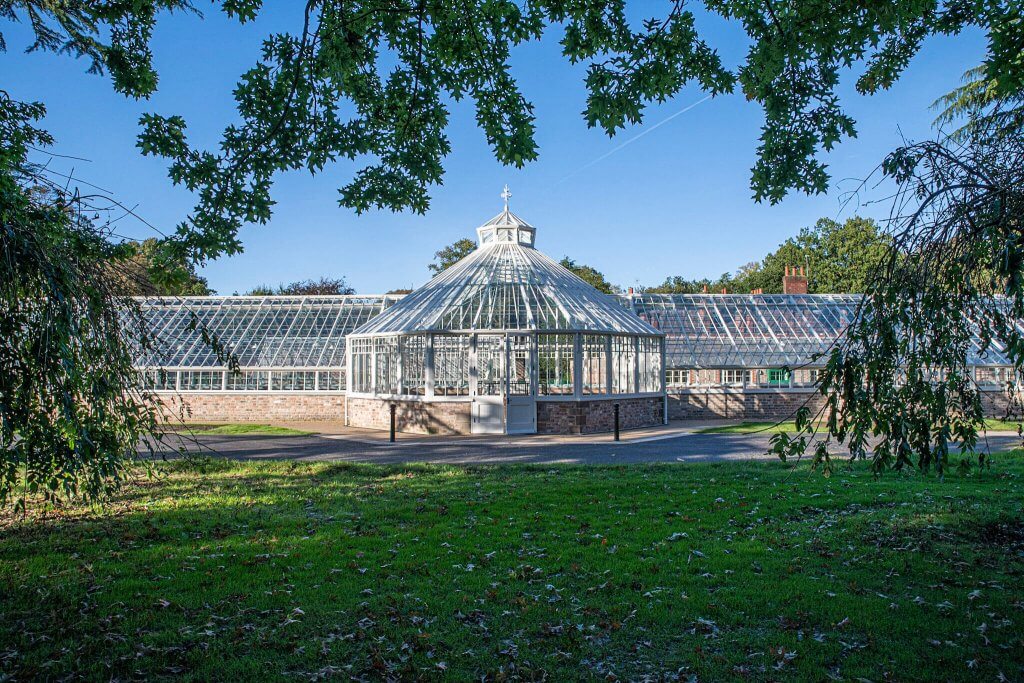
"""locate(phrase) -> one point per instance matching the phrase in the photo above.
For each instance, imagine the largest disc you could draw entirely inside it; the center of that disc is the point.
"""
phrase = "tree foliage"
(373, 80)
(590, 275)
(902, 375)
(839, 257)
(448, 256)
(321, 286)
(146, 268)
(980, 104)
(71, 417)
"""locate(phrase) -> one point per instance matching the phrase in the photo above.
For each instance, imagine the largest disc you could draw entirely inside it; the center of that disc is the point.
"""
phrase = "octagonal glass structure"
(506, 320)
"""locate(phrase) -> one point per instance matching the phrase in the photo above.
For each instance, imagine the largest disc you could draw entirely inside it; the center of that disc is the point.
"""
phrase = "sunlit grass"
(749, 428)
(247, 429)
(224, 570)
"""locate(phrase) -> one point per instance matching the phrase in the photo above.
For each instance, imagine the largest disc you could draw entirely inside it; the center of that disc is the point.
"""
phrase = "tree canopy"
(146, 269)
(375, 81)
(590, 275)
(448, 256)
(839, 257)
(323, 285)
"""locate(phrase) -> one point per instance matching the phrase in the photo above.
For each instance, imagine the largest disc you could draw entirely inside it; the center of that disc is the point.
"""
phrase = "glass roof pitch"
(745, 331)
(748, 331)
(270, 331)
(507, 287)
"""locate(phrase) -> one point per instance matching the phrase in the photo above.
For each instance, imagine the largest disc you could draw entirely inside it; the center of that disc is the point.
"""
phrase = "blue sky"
(676, 201)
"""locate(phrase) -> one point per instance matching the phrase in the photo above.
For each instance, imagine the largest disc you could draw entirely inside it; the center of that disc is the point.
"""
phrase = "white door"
(487, 415)
(522, 415)
(521, 403)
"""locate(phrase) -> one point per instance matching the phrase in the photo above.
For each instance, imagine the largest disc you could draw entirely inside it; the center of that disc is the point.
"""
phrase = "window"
(414, 378)
(362, 360)
(986, 375)
(490, 365)
(735, 378)
(677, 377)
(451, 366)
(649, 362)
(292, 380)
(778, 377)
(555, 362)
(624, 365)
(247, 380)
(158, 380)
(385, 352)
(202, 380)
(595, 364)
(330, 380)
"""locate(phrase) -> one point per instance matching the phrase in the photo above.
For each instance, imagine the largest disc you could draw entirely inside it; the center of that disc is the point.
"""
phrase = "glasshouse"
(504, 341)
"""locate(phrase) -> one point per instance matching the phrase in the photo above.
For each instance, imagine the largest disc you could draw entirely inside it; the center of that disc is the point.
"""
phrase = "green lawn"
(246, 430)
(790, 426)
(749, 428)
(235, 571)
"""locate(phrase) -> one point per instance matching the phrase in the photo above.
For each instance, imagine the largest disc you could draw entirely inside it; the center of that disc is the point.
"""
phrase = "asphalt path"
(682, 448)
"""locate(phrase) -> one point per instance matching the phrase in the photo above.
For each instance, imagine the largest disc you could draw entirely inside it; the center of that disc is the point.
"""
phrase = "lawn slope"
(244, 571)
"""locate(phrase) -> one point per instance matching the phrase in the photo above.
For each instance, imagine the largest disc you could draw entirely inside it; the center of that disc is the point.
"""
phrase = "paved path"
(681, 446)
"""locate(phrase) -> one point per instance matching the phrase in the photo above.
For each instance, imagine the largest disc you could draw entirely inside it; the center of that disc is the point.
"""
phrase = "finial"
(505, 194)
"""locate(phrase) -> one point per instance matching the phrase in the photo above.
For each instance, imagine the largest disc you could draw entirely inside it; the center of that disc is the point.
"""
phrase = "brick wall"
(226, 406)
(739, 404)
(590, 416)
(420, 417)
(772, 404)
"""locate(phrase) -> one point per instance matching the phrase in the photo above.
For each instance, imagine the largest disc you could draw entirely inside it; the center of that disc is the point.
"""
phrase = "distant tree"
(324, 285)
(452, 254)
(590, 275)
(840, 258)
(398, 291)
(677, 284)
(147, 269)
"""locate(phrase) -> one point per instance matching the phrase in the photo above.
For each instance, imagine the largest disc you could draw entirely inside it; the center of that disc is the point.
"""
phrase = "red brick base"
(228, 406)
(590, 416)
(418, 417)
(773, 404)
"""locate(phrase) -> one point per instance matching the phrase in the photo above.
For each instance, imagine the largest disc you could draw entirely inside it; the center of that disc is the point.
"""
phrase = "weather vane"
(505, 194)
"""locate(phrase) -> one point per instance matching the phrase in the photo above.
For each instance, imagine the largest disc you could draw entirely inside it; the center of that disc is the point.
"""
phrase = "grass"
(789, 426)
(218, 570)
(247, 430)
(749, 428)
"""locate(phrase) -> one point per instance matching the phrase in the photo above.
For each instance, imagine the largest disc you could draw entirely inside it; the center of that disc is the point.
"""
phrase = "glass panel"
(650, 364)
(623, 365)
(555, 364)
(490, 365)
(362, 379)
(595, 364)
(451, 366)
(385, 350)
(521, 365)
(248, 380)
(414, 379)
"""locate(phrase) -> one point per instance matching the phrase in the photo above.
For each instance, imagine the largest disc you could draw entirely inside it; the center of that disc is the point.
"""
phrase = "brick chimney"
(795, 280)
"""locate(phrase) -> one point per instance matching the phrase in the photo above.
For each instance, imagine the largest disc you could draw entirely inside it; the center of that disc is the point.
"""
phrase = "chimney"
(629, 291)
(795, 280)
(724, 290)
(705, 289)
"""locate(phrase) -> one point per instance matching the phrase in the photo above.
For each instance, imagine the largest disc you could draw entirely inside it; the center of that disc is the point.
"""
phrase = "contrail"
(636, 137)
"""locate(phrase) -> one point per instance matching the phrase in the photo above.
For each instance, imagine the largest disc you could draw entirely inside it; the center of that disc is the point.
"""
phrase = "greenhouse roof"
(267, 331)
(701, 330)
(755, 331)
(507, 285)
